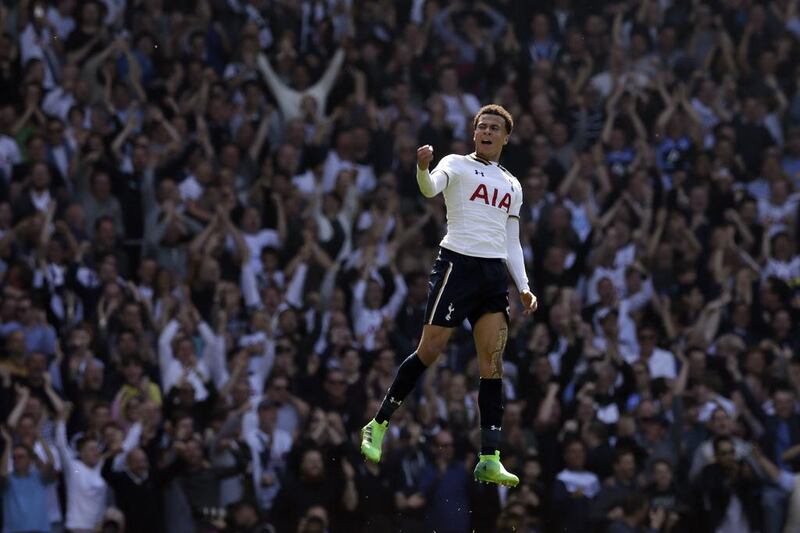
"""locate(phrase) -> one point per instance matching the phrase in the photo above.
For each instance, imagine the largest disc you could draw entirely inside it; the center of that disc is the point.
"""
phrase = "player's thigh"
(491, 334)
(452, 289)
(433, 342)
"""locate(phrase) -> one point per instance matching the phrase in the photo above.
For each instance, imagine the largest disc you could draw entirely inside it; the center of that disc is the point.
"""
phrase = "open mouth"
(486, 142)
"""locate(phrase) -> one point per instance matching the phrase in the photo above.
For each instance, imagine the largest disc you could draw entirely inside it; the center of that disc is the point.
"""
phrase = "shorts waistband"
(447, 252)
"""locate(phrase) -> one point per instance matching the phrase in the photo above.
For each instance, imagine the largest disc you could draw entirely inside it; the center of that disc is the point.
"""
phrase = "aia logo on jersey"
(482, 194)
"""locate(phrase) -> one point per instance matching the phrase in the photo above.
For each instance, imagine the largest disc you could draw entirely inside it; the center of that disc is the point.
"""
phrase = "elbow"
(426, 192)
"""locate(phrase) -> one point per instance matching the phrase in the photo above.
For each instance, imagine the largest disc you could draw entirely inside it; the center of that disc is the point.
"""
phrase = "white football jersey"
(480, 196)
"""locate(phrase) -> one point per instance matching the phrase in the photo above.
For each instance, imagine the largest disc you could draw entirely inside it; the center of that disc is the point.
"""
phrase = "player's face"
(490, 136)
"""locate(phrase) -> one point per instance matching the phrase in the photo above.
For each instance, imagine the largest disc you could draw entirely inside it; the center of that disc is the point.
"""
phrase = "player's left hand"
(529, 302)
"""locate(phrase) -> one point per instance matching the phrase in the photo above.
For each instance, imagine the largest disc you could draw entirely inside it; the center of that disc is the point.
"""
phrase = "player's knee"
(430, 349)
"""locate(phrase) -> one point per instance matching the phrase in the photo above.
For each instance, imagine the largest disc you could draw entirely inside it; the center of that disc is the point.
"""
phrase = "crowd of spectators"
(213, 255)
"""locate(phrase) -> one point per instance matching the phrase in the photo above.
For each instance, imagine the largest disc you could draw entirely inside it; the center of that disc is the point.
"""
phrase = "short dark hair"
(719, 439)
(633, 503)
(131, 360)
(83, 441)
(101, 405)
(621, 452)
(27, 449)
(494, 109)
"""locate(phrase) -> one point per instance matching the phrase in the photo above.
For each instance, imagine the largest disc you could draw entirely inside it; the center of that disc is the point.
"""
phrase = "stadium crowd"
(214, 255)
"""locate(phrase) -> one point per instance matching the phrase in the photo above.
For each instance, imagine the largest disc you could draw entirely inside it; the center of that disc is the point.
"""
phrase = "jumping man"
(469, 280)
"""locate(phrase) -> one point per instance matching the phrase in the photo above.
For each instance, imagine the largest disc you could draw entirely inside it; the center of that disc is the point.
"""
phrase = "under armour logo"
(450, 310)
(396, 402)
(479, 172)
(495, 428)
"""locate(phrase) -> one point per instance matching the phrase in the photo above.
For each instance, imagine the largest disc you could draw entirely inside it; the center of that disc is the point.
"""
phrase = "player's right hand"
(424, 156)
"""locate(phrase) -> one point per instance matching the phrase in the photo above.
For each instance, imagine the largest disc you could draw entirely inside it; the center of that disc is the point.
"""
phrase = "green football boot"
(372, 439)
(490, 470)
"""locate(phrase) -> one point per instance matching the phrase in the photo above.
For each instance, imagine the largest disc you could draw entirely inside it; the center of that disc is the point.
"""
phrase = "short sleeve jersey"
(480, 196)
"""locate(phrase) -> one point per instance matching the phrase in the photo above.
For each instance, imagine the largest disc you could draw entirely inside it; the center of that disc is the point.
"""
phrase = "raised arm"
(249, 287)
(130, 442)
(611, 114)
(548, 404)
(281, 91)
(122, 137)
(323, 86)
(261, 135)
(80, 54)
(23, 394)
(7, 444)
(61, 442)
(430, 184)
(216, 352)
(569, 179)
(265, 362)
(52, 395)
(400, 290)
(165, 348)
(359, 291)
(280, 216)
(296, 285)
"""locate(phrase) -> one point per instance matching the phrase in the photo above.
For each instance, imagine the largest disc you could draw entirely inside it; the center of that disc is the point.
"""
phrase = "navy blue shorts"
(468, 287)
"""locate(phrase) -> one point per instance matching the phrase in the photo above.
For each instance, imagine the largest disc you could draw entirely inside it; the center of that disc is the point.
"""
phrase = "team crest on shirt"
(481, 193)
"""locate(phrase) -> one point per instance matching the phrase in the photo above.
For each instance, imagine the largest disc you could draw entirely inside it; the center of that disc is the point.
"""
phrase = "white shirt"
(628, 341)
(584, 481)
(290, 100)
(172, 370)
(58, 102)
(280, 443)
(480, 196)
(9, 156)
(580, 219)
(40, 200)
(604, 82)
(735, 519)
(113, 10)
(190, 188)
(661, 364)
(625, 256)
(259, 367)
(63, 25)
(368, 322)
(615, 274)
(61, 156)
(365, 175)
(306, 182)
(33, 45)
(459, 110)
(785, 270)
(87, 491)
(704, 455)
(771, 214)
(255, 243)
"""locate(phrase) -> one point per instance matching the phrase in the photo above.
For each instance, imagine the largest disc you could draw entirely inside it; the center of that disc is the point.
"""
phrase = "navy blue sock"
(490, 404)
(407, 375)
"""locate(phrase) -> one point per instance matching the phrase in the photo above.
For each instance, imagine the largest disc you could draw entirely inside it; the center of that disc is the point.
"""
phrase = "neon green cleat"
(372, 439)
(490, 470)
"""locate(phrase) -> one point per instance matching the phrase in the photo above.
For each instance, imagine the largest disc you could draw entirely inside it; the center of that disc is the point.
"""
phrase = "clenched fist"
(424, 156)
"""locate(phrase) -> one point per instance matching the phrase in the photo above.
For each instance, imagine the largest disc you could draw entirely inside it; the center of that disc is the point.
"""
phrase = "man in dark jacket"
(136, 491)
(725, 493)
(573, 490)
(635, 511)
